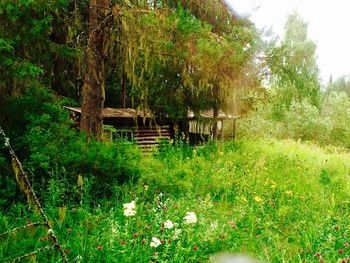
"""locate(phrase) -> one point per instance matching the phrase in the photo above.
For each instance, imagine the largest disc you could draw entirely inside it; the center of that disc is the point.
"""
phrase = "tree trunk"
(185, 130)
(235, 114)
(124, 91)
(215, 122)
(216, 112)
(234, 128)
(93, 88)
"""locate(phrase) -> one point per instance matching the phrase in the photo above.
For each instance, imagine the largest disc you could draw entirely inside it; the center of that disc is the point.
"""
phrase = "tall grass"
(280, 201)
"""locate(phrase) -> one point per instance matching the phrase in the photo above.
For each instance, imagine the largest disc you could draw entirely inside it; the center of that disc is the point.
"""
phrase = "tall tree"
(177, 48)
(341, 84)
(93, 88)
(294, 71)
(28, 49)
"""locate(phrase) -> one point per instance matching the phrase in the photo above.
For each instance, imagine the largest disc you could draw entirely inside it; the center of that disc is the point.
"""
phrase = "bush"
(304, 121)
(327, 125)
(51, 149)
(57, 148)
(7, 182)
(336, 107)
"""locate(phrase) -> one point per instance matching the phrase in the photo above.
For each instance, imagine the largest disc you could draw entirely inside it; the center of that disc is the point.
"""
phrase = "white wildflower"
(146, 187)
(114, 228)
(190, 218)
(129, 209)
(131, 205)
(155, 242)
(177, 233)
(168, 224)
(129, 212)
(214, 225)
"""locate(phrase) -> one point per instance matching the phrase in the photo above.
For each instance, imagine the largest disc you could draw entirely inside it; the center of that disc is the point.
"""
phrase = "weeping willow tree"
(186, 53)
(172, 55)
(163, 55)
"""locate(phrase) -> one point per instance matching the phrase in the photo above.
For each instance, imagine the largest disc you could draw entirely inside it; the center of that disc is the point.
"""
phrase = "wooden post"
(185, 130)
(215, 123)
(216, 92)
(234, 129)
(234, 122)
(222, 129)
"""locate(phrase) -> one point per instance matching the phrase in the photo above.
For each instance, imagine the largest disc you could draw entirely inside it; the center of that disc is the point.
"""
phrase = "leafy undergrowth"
(280, 201)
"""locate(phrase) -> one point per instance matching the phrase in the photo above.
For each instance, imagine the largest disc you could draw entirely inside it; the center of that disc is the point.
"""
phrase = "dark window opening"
(126, 135)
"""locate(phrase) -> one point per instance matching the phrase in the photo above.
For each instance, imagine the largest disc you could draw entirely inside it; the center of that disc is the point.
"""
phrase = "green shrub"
(57, 148)
(7, 182)
(50, 148)
(336, 107)
(327, 125)
(304, 121)
(281, 201)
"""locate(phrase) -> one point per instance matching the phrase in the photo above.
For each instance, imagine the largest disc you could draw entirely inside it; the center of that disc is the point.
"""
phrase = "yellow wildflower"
(244, 199)
(258, 199)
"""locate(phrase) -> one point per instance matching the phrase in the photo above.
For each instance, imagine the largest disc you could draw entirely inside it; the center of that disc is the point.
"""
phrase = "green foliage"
(327, 124)
(336, 106)
(341, 84)
(192, 56)
(45, 140)
(252, 196)
(7, 184)
(294, 72)
(24, 40)
(304, 121)
(56, 147)
(32, 46)
(187, 23)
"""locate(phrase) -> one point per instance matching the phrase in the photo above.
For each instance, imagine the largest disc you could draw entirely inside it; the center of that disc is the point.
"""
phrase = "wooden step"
(151, 132)
(151, 141)
(152, 128)
(148, 148)
(147, 143)
(155, 138)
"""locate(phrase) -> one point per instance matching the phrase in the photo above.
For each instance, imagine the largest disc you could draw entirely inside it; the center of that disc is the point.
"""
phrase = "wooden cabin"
(149, 131)
(139, 127)
(200, 127)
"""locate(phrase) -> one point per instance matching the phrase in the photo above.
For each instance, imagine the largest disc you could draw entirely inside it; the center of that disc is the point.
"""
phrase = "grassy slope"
(278, 200)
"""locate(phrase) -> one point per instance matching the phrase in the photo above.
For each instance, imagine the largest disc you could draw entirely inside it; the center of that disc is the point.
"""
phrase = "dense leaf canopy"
(176, 51)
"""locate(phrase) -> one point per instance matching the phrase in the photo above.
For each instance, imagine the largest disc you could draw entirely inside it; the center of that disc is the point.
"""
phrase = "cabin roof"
(133, 113)
(116, 112)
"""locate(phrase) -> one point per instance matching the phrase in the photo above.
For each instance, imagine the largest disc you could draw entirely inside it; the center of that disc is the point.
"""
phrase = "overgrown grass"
(280, 201)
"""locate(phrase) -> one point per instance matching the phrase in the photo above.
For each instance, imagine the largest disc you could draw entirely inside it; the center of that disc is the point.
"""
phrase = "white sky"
(328, 21)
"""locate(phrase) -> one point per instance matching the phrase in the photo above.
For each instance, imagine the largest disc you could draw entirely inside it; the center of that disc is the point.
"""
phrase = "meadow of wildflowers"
(277, 201)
